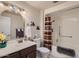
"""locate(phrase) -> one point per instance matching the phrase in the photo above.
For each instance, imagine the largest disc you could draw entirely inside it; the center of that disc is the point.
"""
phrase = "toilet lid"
(43, 49)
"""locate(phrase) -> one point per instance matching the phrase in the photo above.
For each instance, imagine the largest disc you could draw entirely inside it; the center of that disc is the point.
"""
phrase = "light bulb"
(23, 12)
(17, 10)
(1, 4)
(10, 7)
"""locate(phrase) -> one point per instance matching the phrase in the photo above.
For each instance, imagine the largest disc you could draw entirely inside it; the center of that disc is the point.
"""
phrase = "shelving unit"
(48, 32)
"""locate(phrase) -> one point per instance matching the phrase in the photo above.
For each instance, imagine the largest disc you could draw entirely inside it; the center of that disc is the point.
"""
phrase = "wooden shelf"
(48, 32)
(48, 41)
(47, 38)
(48, 46)
(47, 35)
(47, 18)
(47, 28)
(48, 25)
(48, 21)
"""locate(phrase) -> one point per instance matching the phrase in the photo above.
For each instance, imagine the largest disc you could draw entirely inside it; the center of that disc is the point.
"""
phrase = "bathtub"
(56, 54)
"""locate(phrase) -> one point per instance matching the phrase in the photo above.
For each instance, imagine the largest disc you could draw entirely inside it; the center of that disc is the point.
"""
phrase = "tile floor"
(39, 56)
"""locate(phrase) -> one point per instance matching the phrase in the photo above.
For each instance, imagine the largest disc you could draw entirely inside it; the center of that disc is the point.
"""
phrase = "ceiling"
(36, 4)
(43, 4)
(3, 8)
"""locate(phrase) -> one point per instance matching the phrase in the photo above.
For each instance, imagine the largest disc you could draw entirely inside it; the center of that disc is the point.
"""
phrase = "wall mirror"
(9, 22)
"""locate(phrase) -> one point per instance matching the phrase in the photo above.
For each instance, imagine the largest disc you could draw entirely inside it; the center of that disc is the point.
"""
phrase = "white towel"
(28, 31)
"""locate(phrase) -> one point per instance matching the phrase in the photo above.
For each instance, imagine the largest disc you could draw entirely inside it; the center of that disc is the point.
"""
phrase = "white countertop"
(14, 46)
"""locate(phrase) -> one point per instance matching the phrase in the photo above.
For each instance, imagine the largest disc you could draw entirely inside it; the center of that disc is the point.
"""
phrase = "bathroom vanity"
(27, 49)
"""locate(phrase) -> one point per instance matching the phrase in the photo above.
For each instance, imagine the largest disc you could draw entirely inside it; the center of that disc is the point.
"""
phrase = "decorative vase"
(3, 44)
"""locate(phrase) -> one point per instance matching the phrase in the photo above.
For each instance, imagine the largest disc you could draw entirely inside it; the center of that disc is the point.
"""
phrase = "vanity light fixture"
(13, 8)
(10, 7)
(17, 10)
(23, 12)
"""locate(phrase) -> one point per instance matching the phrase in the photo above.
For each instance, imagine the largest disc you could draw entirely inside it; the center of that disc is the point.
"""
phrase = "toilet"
(41, 51)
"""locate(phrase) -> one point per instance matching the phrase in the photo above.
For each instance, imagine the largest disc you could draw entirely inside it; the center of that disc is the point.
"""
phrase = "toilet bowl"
(41, 51)
(44, 52)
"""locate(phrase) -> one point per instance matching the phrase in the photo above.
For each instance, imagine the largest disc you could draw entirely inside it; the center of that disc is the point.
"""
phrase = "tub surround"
(13, 46)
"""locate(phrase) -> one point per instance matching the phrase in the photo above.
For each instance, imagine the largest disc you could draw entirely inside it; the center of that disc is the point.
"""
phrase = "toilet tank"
(38, 41)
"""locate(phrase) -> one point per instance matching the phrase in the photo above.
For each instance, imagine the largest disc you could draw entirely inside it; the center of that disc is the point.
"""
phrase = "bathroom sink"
(14, 46)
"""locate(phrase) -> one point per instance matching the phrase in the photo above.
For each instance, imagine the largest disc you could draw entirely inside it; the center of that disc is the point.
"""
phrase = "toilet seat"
(43, 49)
(44, 52)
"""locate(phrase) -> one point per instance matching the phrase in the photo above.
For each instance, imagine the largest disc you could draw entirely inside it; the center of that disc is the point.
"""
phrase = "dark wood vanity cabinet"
(29, 52)
(13, 55)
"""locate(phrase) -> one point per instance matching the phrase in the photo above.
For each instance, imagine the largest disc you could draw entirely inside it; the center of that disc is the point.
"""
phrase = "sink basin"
(14, 46)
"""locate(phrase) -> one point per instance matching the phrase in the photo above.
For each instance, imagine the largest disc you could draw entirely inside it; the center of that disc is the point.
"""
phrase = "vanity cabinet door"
(32, 55)
(13, 55)
(29, 52)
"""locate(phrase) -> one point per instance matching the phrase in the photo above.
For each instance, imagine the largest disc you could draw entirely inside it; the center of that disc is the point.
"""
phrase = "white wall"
(72, 29)
(35, 17)
(72, 16)
(41, 23)
(63, 6)
(32, 14)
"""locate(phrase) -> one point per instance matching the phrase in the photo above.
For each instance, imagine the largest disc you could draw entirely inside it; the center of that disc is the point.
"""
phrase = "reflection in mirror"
(15, 22)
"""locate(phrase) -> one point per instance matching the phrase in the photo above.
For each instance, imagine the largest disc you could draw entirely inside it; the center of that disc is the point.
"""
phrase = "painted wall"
(41, 23)
(71, 29)
(69, 25)
(32, 14)
(63, 6)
